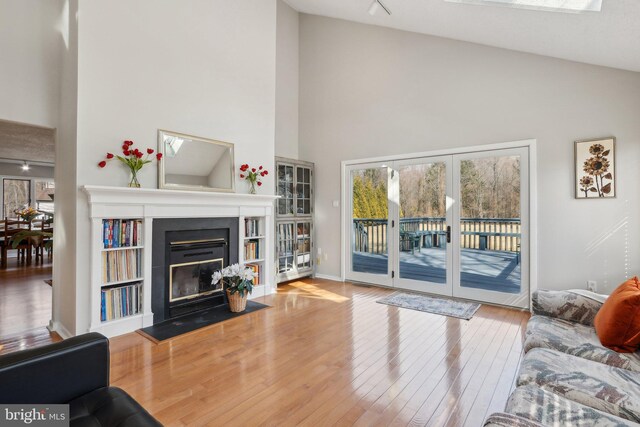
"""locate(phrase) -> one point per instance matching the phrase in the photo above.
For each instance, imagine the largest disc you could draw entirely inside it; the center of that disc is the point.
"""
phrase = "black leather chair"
(74, 372)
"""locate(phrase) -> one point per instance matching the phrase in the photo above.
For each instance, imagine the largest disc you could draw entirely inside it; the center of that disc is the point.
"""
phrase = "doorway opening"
(27, 210)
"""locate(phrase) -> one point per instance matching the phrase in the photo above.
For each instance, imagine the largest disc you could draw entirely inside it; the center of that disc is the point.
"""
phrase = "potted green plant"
(237, 281)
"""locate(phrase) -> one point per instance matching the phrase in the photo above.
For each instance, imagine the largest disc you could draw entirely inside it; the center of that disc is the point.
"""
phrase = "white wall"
(64, 245)
(368, 91)
(205, 68)
(30, 43)
(286, 81)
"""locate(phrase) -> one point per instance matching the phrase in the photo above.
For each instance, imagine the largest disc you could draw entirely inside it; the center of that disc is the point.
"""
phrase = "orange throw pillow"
(618, 320)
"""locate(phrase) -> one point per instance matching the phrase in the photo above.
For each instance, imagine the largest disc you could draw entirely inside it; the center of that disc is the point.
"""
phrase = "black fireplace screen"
(193, 279)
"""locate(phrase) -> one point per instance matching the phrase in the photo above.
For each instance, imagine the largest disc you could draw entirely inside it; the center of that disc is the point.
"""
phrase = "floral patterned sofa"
(566, 376)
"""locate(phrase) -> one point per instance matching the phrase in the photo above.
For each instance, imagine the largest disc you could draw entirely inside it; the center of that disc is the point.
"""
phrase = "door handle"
(448, 234)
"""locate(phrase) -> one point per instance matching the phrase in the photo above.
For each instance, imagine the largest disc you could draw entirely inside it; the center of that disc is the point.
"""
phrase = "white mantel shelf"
(146, 204)
(154, 196)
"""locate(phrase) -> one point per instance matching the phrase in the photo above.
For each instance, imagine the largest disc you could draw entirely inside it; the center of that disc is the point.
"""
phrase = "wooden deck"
(490, 270)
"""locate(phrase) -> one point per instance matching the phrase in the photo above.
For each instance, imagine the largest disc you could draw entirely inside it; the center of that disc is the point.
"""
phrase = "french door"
(454, 225)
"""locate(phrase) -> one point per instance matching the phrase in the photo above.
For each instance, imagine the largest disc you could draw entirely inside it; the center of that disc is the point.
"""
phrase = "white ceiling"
(610, 38)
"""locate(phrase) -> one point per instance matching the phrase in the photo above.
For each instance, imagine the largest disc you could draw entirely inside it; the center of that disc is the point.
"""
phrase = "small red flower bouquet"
(253, 176)
(133, 159)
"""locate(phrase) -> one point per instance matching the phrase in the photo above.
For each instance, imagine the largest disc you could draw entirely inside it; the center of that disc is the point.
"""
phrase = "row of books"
(120, 302)
(121, 233)
(252, 250)
(121, 265)
(257, 268)
(285, 248)
(251, 227)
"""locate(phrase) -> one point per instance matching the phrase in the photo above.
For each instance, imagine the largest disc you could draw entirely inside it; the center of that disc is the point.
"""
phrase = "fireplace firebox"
(186, 252)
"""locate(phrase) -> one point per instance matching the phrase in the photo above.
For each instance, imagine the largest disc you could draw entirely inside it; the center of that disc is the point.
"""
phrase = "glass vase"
(252, 187)
(133, 182)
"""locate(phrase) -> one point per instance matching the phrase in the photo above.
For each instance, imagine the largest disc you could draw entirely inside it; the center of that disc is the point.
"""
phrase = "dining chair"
(2, 221)
(40, 243)
(11, 228)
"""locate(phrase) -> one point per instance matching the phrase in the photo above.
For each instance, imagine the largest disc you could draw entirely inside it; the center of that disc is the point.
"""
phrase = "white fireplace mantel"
(167, 203)
(146, 204)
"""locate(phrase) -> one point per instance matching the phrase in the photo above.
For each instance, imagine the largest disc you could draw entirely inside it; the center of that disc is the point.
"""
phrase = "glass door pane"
(285, 189)
(44, 195)
(303, 190)
(424, 255)
(493, 224)
(285, 245)
(303, 253)
(17, 195)
(369, 224)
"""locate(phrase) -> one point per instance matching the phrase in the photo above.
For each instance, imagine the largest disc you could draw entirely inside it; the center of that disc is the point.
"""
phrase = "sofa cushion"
(575, 339)
(550, 409)
(109, 406)
(502, 419)
(612, 390)
(575, 305)
(618, 321)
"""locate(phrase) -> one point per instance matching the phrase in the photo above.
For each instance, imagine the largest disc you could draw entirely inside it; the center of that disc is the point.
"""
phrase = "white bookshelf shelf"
(121, 282)
(122, 248)
(137, 316)
(253, 234)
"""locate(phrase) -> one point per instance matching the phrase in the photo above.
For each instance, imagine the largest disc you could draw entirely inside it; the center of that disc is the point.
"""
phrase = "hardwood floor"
(29, 339)
(25, 300)
(327, 354)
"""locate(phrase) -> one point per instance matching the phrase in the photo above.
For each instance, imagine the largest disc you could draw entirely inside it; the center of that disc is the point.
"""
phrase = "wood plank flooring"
(29, 339)
(25, 300)
(327, 354)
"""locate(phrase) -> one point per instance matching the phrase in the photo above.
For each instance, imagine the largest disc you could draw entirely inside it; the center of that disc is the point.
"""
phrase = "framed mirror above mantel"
(194, 163)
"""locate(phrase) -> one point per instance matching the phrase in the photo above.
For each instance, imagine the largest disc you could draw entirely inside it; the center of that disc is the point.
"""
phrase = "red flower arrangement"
(253, 176)
(133, 159)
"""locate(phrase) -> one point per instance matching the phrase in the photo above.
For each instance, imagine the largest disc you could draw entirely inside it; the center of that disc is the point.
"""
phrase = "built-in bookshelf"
(119, 294)
(121, 268)
(254, 246)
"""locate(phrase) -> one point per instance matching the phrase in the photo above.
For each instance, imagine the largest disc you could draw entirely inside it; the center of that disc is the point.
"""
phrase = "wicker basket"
(237, 303)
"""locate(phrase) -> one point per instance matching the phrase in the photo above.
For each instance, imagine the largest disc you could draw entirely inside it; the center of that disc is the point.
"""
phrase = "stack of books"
(251, 227)
(121, 265)
(121, 233)
(257, 268)
(120, 302)
(251, 250)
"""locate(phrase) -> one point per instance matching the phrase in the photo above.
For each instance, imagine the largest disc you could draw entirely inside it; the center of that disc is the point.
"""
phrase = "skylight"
(569, 6)
(172, 145)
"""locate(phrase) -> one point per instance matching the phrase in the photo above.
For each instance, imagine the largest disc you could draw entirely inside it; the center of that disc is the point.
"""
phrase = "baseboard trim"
(328, 277)
(59, 329)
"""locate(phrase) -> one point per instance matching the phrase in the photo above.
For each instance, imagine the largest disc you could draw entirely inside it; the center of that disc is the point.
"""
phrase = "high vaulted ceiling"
(610, 38)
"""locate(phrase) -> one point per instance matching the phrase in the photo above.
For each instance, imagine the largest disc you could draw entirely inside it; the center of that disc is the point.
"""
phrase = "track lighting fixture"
(25, 166)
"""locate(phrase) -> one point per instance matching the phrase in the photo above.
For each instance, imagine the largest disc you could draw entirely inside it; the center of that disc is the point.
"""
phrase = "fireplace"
(191, 265)
(186, 252)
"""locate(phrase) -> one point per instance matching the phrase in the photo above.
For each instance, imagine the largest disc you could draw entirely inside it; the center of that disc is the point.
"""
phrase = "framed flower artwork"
(595, 168)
